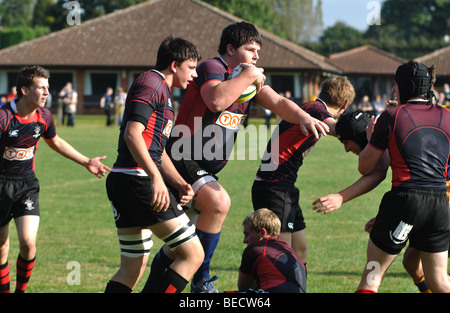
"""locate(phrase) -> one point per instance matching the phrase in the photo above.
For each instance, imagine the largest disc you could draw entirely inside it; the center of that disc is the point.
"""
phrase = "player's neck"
(229, 61)
(25, 109)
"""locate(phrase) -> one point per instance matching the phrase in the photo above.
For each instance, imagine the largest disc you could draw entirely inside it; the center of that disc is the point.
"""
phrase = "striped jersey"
(200, 134)
(19, 138)
(148, 102)
(288, 146)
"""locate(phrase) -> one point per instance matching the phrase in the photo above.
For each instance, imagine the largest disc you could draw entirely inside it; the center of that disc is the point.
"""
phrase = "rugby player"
(22, 123)
(416, 135)
(274, 186)
(269, 263)
(203, 136)
(142, 203)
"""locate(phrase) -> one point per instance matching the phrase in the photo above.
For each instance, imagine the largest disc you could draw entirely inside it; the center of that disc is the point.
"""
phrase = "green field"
(77, 223)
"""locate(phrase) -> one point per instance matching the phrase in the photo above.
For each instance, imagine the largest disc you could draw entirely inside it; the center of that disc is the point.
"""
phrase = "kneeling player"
(269, 263)
(141, 202)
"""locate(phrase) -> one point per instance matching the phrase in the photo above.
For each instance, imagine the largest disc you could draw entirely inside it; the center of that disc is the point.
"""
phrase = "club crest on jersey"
(37, 131)
(30, 204)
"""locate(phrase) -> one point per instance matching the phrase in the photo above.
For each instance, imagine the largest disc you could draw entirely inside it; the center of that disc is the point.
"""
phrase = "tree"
(16, 13)
(295, 20)
(411, 28)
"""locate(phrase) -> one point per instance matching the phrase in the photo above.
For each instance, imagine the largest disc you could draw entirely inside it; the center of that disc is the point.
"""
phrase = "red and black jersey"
(288, 146)
(418, 138)
(200, 134)
(19, 138)
(148, 102)
(272, 262)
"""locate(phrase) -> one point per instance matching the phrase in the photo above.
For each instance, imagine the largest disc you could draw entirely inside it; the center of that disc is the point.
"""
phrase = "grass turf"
(78, 248)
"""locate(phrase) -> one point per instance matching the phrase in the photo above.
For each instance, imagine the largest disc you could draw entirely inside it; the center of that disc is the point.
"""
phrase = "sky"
(353, 12)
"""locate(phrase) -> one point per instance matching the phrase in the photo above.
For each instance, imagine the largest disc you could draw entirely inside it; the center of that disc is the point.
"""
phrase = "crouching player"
(269, 263)
(141, 202)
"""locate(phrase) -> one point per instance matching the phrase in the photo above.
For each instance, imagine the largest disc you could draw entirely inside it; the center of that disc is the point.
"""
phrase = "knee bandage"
(181, 235)
(134, 246)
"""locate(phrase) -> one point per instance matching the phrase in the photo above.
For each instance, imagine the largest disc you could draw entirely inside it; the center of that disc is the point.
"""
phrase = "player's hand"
(369, 225)
(328, 203)
(96, 167)
(161, 199)
(258, 71)
(370, 126)
(317, 127)
(186, 194)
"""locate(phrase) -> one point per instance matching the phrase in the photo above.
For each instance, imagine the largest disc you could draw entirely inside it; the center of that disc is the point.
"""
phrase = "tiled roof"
(131, 37)
(440, 58)
(366, 59)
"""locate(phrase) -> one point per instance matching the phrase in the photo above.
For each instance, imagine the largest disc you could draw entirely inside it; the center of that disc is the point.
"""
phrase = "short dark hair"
(175, 49)
(238, 34)
(26, 76)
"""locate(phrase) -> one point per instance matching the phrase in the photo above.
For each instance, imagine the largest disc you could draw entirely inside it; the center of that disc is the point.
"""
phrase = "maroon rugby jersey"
(200, 134)
(148, 101)
(271, 262)
(418, 138)
(19, 138)
(289, 146)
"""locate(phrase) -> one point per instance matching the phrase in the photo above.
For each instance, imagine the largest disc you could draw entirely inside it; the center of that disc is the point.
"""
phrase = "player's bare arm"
(172, 176)
(364, 184)
(290, 112)
(136, 144)
(219, 95)
(93, 165)
(368, 159)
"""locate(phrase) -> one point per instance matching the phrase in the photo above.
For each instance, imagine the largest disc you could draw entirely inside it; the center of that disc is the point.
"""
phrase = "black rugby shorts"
(131, 198)
(19, 196)
(420, 216)
(282, 200)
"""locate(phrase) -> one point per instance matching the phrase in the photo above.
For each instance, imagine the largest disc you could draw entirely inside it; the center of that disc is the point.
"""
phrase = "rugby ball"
(248, 93)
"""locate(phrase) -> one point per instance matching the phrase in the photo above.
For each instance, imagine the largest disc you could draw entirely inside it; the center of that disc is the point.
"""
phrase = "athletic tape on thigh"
(134, 246)
(202, 182)
(181, 235)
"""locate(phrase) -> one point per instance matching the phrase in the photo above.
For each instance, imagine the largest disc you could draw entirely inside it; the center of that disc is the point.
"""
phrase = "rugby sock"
(209, 242)
(422, 285)
(116, 287)
(171, 282)
(24, 269)
(161, 262)
(4, 278)
(365, 291)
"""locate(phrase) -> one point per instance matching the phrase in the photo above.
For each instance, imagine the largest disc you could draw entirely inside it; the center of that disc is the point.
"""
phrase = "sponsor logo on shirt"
(18, 154)
(231, 120)
(14, 133)
(168, 128)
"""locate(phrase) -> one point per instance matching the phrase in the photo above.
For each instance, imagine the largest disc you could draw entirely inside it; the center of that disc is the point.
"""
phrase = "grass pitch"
(78, 249)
